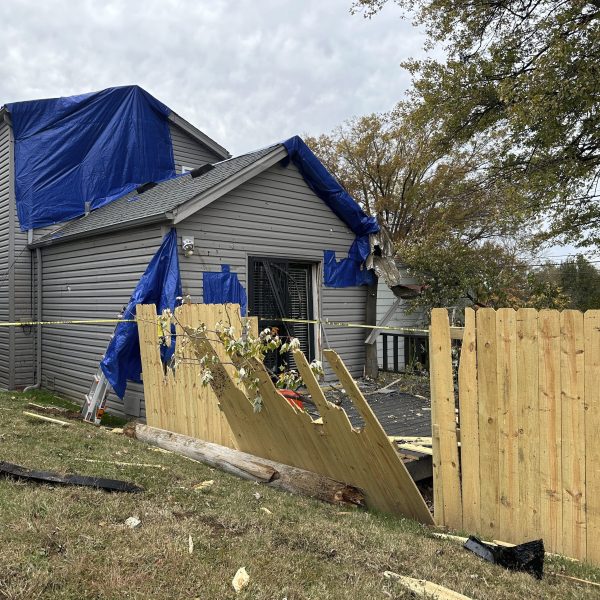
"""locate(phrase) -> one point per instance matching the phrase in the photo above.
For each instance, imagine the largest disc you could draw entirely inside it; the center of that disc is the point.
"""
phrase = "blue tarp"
(88, 148)
(326, 187)
(220, 288)
(160, 285)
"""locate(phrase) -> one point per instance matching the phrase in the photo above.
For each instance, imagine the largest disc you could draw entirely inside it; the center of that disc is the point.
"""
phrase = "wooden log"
(253, 468)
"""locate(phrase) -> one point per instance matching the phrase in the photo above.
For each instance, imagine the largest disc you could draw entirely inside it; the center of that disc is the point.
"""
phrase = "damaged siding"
(276, 214)
(90, 279)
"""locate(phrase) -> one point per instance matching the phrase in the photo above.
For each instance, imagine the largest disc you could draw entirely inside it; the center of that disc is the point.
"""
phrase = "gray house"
(253, 213)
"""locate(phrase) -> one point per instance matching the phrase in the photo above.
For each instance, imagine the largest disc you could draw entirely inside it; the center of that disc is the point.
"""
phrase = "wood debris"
(425, 589)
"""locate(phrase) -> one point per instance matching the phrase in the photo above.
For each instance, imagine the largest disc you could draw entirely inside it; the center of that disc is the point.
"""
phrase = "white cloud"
(247, 72)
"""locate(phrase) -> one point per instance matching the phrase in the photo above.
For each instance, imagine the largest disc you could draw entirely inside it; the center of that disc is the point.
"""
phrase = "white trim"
(193, 205)
(372, 337)
(198, 135)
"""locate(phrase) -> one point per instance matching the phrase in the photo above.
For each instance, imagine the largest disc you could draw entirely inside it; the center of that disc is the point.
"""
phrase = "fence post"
(446, 484)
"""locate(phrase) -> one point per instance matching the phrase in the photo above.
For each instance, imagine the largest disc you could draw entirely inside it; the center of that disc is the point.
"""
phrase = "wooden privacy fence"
(364, 458)
(529, 415)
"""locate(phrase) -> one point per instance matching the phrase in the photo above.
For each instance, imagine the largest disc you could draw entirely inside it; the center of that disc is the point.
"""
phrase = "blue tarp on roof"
(159, 285)
(348, 271)
(88, 148)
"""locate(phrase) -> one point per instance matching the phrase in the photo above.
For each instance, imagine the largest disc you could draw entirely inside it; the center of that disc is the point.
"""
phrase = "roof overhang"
(57, 238)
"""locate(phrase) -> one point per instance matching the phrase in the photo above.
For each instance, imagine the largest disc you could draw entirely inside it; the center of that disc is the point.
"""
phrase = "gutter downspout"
(38, 369)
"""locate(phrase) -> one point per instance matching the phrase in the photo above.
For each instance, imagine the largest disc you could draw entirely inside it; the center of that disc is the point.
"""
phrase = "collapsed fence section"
(529, 415)
(279, 430)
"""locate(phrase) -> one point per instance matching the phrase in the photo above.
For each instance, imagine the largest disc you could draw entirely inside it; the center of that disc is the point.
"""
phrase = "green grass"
(71, 543)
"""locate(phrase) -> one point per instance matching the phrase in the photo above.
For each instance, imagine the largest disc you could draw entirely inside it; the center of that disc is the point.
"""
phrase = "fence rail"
(529, 414)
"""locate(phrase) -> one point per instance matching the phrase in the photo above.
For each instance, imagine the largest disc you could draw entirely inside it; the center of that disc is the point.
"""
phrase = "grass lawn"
(68, 542)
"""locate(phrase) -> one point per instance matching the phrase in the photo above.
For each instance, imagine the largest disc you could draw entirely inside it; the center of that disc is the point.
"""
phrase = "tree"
(447, 217)
(578, 279)
(520, 78)
(402, 171)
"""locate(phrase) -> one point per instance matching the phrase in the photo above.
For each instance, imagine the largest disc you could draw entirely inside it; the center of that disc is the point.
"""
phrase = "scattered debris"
(122, 464)
(190, 544)
(240, 579)
(117, 430)
(266, 510)
(161, 450)
(257, 495)
(204, 485)
(576, 579)
(111, 485)
(133, 522)
(528, 557)
(425, 589)
(47, 419)
(58, 411)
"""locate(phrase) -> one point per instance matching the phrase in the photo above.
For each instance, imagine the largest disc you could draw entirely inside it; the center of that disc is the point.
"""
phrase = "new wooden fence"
(528, 464)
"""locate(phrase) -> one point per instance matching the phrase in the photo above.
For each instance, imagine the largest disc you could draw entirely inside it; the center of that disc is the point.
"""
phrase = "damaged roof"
(158, 202)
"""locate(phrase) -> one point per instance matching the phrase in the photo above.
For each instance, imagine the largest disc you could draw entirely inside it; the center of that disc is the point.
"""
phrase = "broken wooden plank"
(253, 468)
(47, 419)
(112, 485)
(424, 588)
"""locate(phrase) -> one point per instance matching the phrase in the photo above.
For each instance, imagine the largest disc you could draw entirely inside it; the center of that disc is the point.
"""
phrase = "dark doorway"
(282, 288)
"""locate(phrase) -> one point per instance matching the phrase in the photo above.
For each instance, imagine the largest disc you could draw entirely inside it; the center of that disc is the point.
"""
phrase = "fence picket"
(592, 429)
(573, 433)
(487, 391)
(445, 450)
(550, 429)
(508, 442)
(469, 425)
(529, 430)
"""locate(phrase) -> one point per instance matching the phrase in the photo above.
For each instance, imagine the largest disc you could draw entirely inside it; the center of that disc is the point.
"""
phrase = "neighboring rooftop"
(155, 203)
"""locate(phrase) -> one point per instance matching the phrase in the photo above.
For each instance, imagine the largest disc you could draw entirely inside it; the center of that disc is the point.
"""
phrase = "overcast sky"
(246, 72)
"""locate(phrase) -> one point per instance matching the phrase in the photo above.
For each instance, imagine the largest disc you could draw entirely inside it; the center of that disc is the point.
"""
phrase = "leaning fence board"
(469, 425)
(528, 520)
(573, 433)
(445, 452)
(592, 429)
(279, 431)
(550, 429)
(487, 390)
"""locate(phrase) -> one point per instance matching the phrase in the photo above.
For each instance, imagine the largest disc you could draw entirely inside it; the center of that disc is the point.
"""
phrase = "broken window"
(282, 289)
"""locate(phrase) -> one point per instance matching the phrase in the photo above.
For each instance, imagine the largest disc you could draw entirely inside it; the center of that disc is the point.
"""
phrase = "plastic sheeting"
(224, 287)
(88, 148)
(160, 285)
(348, 271)
(326, 187)
(344, 273)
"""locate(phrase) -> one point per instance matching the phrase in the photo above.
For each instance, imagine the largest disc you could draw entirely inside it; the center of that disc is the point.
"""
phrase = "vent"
(145, 187)
(201, 170)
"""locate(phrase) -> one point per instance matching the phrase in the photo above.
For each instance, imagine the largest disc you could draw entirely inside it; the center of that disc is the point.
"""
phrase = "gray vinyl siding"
(276, 214)
(90, 279)
(189, 152)
(4, 252)
(401, 318)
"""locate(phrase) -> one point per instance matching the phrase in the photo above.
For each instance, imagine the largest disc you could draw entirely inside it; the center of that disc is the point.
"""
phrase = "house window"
(283, 288)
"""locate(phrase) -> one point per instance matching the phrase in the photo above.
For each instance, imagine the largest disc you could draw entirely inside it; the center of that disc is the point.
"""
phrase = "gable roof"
(165, 201)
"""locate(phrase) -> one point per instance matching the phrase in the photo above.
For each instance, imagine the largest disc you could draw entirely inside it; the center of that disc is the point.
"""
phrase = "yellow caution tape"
(324, 322)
